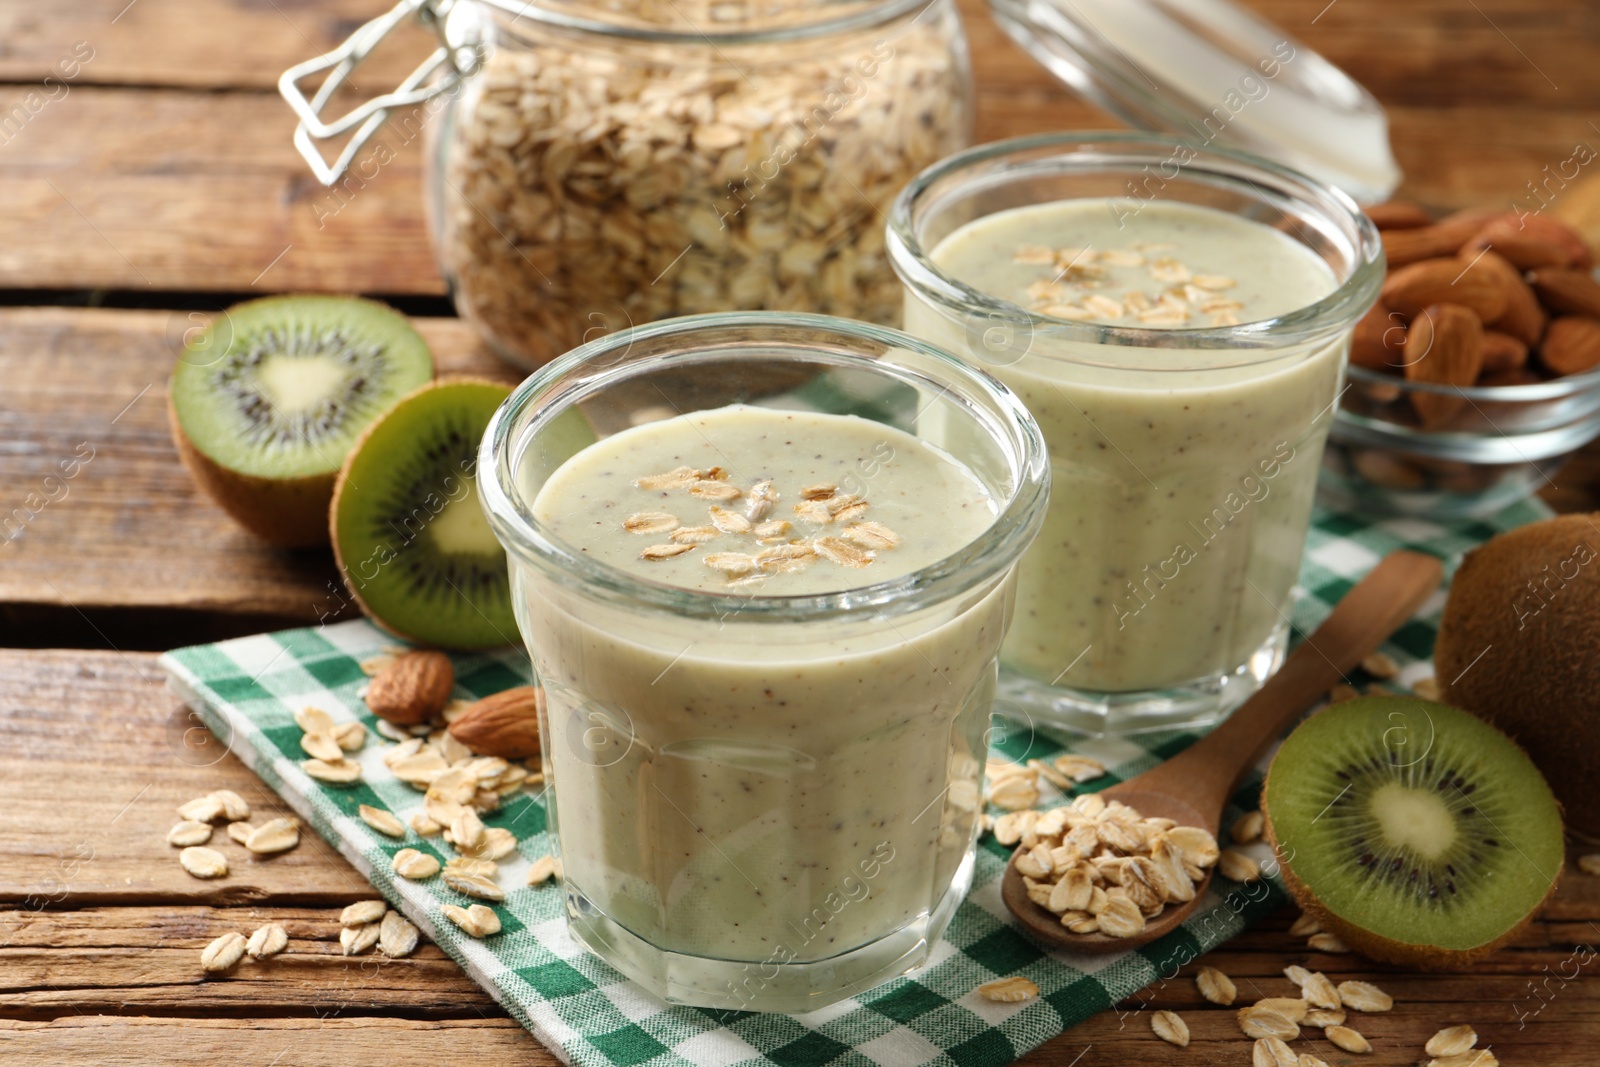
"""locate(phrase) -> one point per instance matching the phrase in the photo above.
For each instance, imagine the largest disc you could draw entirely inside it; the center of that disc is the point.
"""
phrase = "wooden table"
(157, 181)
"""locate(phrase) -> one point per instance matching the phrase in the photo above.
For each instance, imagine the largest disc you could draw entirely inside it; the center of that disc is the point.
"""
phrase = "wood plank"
(97, 755)
(1442, 52)
(136, 189)
(146, 961)
(169, 190)
(93, 383)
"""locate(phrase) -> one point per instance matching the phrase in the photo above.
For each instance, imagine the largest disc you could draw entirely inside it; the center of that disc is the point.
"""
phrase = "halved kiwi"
(410, 536)
(1418, 833)
(266, 401)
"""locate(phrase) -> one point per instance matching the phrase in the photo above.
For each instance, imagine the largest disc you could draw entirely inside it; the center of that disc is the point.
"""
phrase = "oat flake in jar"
(596, 166)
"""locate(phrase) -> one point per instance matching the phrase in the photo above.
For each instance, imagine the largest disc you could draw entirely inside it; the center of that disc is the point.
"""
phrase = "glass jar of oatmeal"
(596, 166)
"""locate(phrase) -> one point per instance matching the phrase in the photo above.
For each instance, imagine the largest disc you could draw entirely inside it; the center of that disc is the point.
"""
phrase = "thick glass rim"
(589, 369)
(1553, 389)
(1111, 151)
(871, 14)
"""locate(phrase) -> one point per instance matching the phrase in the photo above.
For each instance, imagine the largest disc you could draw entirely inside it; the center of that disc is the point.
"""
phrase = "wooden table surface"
(147, 177)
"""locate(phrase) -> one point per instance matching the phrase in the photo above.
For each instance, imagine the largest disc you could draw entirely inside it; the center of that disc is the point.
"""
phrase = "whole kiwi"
(1519, 645)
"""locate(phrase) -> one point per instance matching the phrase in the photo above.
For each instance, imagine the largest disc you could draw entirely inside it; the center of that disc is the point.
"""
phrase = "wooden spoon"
(1193, 788)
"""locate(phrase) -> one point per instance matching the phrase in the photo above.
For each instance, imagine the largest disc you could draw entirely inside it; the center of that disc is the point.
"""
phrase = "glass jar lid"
(1211, 71)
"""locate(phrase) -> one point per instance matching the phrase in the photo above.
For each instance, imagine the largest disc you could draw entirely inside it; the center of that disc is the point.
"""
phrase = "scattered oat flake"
(1319, 991)
(730, 522)
(1247, 828)
(1272, 1052)
(1292, 1008)
(1481, 1057)
(1171, 1028)
(321, 745)
(203, 862)
(842, 552)
(1215, 986)
(1258, 1022)
(1014, 793)
(273, 836)
(338, 772)
(1589, 863)
(223, 953)
(713, 490)
(240, 831)
(268, 940)
(1347, 1039)
(694, 535)
(1451, 1041)
(314, 720)
(1164, 316)
(351, 737)
(415, 865)
(473, 885)
(1341, 692)
(1364, 996)
(1080, 768)
(362, 912)
(1427, 688)
(542, 870)
(1237, 867)
(1324, 1017)
(1305, 926)
(1381, 665)
(758, 502)
(1326, 942)
(201, 809)
(734, 563)
(676, 478)
(1013, 990)
(1035, 255)
(660, 552)
(650, 522)
(397, 937)
(1214, 282)
(874, 535)
(188, 833)
(385, 822)
(354, 940)
(1121, 257)
(234, 806)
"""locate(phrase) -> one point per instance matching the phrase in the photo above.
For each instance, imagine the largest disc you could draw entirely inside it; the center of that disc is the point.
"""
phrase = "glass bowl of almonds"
(1477, 373)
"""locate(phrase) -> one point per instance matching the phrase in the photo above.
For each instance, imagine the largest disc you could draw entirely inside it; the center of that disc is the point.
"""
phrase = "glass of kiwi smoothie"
(1177, 318)
(763, 564)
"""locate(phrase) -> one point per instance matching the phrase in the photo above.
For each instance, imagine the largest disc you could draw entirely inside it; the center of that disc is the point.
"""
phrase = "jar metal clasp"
(441, 72)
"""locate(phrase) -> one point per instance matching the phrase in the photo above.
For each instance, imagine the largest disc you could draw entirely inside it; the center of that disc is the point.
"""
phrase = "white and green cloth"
(248, 689)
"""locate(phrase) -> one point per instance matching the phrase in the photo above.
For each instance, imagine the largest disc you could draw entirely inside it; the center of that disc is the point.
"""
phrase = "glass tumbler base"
(1200, 703)
(767, 985)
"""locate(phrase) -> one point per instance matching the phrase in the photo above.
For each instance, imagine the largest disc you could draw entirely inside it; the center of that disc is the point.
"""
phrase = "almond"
(412, 688)
(1443, 238)
(1549, 228)
(1523, 317)
(1443, 347)
(1571, 345)
(1567, 290)
(1379, 337)
(1502, 352)
(1440, 281)
(1523, 250)
(1398, 215)
(505, 724)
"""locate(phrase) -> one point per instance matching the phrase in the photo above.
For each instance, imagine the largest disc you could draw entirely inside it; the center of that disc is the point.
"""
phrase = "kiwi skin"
(1375, 946)
(330, 531)
(284, 512)
(1531, 596)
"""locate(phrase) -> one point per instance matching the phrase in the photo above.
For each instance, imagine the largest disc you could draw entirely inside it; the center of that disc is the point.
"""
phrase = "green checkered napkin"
(247, 690)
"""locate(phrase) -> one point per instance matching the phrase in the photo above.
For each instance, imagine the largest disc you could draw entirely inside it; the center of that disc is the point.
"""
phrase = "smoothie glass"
(764, 802)
(1183, 460)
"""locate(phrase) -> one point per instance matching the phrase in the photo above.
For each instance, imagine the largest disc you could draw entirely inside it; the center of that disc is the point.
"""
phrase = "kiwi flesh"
(266, 401)
(1416, 832)
(1519, 645)
(408, 531)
